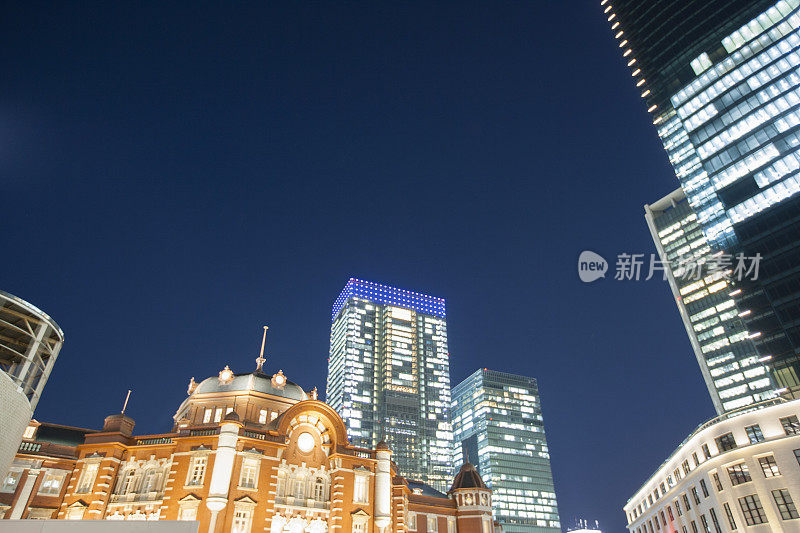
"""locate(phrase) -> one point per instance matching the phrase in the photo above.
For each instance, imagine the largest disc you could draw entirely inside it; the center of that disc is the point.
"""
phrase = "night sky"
(175, 177)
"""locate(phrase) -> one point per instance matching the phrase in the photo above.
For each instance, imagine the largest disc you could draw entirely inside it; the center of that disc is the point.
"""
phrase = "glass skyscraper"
(721, 80)
(389, 376)
(728, 360)
(498, 427)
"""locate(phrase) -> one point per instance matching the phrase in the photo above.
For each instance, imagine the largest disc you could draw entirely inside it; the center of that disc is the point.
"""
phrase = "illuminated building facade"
(737, 472)
(248, 453)
(30, 342)
(498, 425)
(728, 359)
(389, 375)
(721, 80)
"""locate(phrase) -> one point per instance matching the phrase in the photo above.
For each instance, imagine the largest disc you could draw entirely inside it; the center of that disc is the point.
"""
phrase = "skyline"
(162, 233)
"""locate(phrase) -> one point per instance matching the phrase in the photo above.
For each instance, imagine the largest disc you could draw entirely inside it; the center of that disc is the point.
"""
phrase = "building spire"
(125, 405)
(260, 361)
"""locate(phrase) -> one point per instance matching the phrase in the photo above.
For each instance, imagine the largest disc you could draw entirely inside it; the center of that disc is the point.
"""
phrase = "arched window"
(126, 482)
(152, 477)
(319, 489)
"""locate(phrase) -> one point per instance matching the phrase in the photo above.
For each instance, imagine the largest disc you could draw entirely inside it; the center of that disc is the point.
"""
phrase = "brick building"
(248, 453)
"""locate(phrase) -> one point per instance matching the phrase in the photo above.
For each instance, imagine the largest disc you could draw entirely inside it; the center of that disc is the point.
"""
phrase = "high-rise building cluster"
(393, 449)
(721, 81)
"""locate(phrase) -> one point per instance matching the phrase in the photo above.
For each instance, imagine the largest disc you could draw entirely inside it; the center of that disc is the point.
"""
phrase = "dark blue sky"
(175, 177)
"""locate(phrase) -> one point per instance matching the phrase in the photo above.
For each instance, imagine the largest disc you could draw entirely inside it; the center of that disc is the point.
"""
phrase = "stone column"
(223, 469)
(383, 489)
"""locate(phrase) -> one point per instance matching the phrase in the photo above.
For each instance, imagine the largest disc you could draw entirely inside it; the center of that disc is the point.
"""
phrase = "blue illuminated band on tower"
(386, 294)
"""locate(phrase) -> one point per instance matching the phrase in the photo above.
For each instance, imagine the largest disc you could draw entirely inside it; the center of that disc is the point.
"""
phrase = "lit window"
(30, 431)
(360, 489)
(51, 482)
(262, 416)
(11, 481)
(197, 471)
(218, 414)
(769, 466)
(754, 433)
(207, 415)
(242, 519)
(249, 474)
(412, 521)
(88, 476)
(433, 524)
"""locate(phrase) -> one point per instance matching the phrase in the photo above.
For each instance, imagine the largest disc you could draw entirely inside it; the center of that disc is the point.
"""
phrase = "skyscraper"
(389, 376)
(728, 359)
(498, 427)
(720, 78)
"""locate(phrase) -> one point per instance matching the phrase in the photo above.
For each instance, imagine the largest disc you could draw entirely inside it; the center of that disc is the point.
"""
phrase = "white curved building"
(737, 472)
(29, 345)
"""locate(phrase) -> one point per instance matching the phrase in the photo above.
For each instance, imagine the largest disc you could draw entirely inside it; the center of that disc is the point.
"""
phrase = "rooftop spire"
(125, 405)
(260, 361)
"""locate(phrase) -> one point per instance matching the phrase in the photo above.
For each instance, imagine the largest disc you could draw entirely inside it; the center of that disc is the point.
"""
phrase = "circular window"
(306, 442)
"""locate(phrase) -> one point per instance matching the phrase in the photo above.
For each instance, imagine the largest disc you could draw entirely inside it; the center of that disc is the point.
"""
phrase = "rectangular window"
(729, 514)
(686, 468)
(451, 525)
(791, 425)
(696, 459)
(218, 414)
(717, 482)
(88, 476)
(706, 452)
(51, 483)
(695, 496)
(262, 416)
(739, 474)
(241, 521)
(694, 527)
(11, 481)
(188, 513)
(359, 527)
(197, 471)
(704, 523)
(412, 521)
(785, 504)
(726, 442)
(704, 488)
(678, 508)
(714, 520)
(754, 433)
(207, 415)
(686, 502)
(360, 489)
(769, 466)
(797, 455)
(752, 510)
(249, 475)
(433, 524)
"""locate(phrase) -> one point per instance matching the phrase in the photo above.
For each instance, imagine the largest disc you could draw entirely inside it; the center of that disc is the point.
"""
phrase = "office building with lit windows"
(389, 376)
(720, 79)
(498, 427)
(730, 364)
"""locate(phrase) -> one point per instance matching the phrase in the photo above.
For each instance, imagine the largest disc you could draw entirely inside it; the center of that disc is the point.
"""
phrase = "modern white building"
(29, 345)
(737, 472)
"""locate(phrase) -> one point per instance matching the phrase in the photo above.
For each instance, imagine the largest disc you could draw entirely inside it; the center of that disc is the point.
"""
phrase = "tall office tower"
(721, 80)
(389, 376)
(29, 345)
(728, 359)
(498, 427)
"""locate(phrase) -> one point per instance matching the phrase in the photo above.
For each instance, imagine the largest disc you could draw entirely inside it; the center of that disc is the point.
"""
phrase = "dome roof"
(256, 381)
(467, 478)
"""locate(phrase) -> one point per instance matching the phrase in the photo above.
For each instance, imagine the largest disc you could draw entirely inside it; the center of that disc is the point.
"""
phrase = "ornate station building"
(248, 453)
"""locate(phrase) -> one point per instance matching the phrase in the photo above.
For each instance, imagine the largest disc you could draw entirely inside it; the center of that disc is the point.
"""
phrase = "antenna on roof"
(125, 405)
(260, 361)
